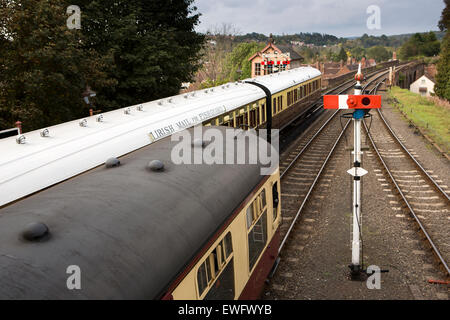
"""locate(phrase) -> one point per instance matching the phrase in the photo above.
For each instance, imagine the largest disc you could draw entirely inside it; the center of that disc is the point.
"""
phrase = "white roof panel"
(72, 149)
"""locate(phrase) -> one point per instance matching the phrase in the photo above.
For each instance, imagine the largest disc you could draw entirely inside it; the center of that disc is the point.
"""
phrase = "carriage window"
(263, 113)
(223, 288)
(255, 209)
(214, 272)
(257, 238)
(202, 279)
(274, 105)
(276, 200)
(263, 198)
(228, 246)
(249, 216)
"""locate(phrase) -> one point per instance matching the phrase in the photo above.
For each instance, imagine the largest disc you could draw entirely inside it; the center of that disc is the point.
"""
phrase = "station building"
(274, 58)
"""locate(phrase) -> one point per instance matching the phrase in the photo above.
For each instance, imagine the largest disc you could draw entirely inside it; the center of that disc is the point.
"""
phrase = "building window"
(269, 69)
(257, 69)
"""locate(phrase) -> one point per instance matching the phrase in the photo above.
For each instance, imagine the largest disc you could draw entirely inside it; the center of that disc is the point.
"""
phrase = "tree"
(44, 67)
(342, 55)
(238, 59)
(442, 87)
(379, 53)
(358, 53)
(420, 45)
(153, 45)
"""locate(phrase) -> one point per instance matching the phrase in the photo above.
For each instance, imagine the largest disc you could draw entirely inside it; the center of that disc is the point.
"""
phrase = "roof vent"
(160, 102)
(140, 107)
(35, 231)
(127, 111)
(112, 162)
(45, 133)
(21, 139)
(83, 123)
(186, 96)
(99, 118)
(155, 165)
(169, 100)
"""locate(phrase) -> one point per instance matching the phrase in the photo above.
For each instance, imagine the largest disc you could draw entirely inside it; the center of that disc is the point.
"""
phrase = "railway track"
(305, 161)
(422, 197)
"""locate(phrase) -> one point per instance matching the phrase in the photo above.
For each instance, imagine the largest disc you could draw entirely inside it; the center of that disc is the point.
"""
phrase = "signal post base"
(356, 273)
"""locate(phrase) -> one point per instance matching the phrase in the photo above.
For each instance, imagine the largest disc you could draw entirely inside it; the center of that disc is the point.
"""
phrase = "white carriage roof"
(71, 149)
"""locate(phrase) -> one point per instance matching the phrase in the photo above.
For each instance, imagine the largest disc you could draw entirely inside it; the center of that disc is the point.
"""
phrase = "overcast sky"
(342, 18)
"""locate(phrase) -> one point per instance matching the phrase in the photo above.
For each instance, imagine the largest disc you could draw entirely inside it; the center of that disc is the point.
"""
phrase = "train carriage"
(141, 227)
(41, 158)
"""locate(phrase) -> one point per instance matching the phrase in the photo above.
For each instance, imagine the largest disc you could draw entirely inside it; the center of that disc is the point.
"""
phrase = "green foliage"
(238, 60)
(444, 23)
(127, 51)
(420, 45)
(342, 55)
(44, 66)
(379, 53)
(358, 53)
(315, 38)
(442, 87)
(153, 44)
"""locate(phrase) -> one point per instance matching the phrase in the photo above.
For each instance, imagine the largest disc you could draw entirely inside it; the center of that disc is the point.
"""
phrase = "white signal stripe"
(343, 101)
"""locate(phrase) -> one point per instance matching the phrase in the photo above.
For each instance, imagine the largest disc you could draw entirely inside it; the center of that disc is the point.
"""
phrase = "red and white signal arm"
(352, 102)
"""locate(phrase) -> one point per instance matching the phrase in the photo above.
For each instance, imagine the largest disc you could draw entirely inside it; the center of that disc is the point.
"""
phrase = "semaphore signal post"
(361, 104)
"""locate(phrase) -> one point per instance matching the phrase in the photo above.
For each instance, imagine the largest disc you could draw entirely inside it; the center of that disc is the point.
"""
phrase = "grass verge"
(432, 117)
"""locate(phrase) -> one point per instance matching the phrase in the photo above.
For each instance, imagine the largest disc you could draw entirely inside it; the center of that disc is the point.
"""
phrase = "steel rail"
(411, 210)
(286, 236)
(436, 185)
(307, 145)
(320, 129)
